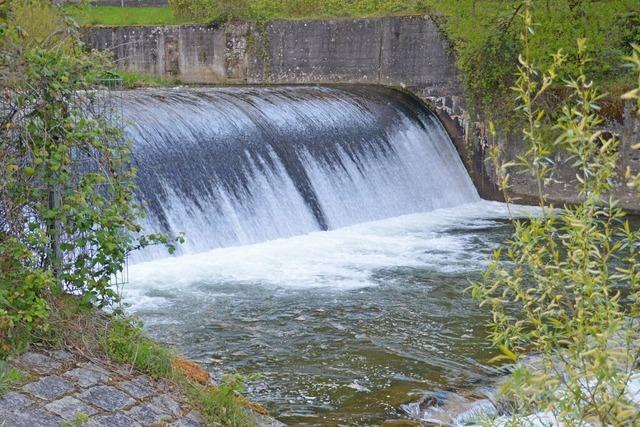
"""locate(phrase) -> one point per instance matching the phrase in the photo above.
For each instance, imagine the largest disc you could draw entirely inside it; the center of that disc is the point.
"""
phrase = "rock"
(193, 419)
(447, 408)
(106, 397)
(143, 380)
(116, 420)
(30, 418)
(38, 362)
(49, 388)
(94, 367)
(70, 408)
(135, 389)
(167, 403)
(86, 377)
(63, 356)
(148, 414)
(266, 421)
(13, 401)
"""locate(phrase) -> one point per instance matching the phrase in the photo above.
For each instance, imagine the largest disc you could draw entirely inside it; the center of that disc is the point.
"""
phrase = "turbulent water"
(235, 166)
(331, 232)
(343, 326)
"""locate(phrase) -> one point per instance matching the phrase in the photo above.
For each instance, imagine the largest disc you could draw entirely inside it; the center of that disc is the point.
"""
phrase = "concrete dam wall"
(406, 52)
(398, 51)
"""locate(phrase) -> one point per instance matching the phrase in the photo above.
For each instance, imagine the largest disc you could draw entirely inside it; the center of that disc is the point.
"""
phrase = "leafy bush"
(22, 305)
(67, 213)
(567, 285)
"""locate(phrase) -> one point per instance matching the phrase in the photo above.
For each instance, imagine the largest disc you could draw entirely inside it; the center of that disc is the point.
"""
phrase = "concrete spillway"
(240, 165)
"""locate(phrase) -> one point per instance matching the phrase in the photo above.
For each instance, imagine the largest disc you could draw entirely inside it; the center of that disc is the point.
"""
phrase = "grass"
(8, 377)
(110, 15)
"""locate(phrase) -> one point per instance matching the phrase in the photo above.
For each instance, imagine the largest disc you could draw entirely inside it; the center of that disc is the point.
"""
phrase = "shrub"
(67, 213)
(567, 285)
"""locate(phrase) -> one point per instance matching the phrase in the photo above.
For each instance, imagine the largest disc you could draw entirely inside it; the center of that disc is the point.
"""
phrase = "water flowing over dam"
(240, 165)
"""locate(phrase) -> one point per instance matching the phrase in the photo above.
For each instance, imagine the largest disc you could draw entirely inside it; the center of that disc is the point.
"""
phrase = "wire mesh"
(104, 103)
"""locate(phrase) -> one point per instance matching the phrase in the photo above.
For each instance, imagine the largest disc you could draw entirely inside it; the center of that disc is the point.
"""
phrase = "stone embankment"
(61, 388)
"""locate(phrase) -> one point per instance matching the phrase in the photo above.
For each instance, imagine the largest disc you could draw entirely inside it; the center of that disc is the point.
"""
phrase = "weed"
(8, 376)
(126, 343)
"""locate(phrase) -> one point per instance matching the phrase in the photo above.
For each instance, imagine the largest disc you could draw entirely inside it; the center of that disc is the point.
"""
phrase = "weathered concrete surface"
(399, 51)
(406, 52)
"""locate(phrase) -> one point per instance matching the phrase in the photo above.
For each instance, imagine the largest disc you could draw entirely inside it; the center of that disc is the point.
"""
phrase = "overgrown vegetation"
(566, 287)
(487, 45)
(132, 79)
(67, 213)
(261, 10)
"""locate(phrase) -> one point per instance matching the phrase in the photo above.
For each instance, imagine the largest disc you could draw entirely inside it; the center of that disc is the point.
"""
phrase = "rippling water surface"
(343, 326)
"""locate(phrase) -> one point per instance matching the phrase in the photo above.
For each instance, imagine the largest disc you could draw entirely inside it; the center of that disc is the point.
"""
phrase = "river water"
(342, 326)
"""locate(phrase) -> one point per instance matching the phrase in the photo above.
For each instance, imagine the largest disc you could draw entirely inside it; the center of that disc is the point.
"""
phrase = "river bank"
(98, 369)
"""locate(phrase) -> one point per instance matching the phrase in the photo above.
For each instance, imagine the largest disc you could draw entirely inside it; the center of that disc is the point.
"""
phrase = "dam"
(330, 234)
(241, 165)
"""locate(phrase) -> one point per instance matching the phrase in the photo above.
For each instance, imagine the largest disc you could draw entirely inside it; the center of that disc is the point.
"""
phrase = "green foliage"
(9, 376)
(22, 305)
(487, 42)
(67, 214)
(567, 285)
(222, 405)
(126, 343)
(132, 79)
(261, 10)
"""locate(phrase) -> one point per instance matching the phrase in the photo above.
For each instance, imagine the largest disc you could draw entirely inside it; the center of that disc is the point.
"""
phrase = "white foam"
(345, 258)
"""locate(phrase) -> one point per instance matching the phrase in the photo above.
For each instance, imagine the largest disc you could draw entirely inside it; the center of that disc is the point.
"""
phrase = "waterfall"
(240, 165)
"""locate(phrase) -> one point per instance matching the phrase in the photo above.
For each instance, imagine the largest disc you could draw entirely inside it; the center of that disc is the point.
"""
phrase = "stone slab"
(70, 408)
(168, 404)
(116, 420)
(148, 414)
(136, 389)
(86, 377)
(13, 401)
(106, 397)
(49, 388)
(39, 362)
(30, 418)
